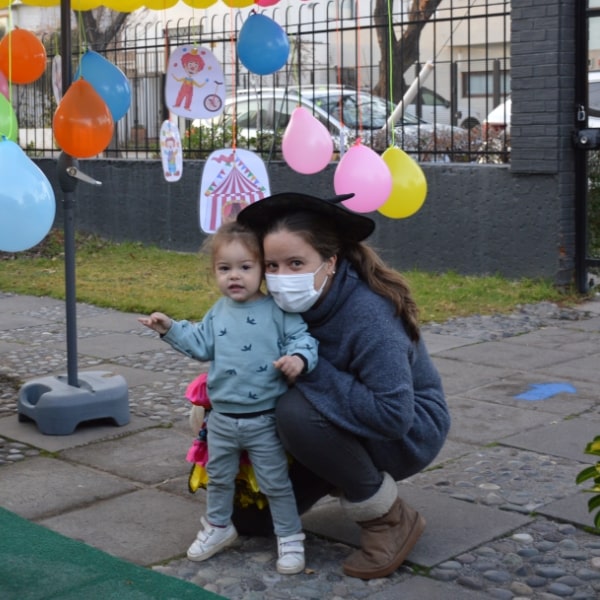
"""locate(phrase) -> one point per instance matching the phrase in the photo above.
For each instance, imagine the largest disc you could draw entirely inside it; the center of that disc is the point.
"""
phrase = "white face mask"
(294, 293)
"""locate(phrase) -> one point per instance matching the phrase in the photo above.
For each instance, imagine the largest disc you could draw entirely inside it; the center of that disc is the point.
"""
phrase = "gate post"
(543, 64)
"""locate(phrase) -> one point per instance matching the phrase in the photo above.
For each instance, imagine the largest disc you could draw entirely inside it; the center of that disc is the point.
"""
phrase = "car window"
(430, 98)
(363, 110)
(282, 112)
(247, 113)
(594, 99)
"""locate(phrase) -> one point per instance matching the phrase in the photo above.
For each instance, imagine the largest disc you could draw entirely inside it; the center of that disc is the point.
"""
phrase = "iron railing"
(332, 44)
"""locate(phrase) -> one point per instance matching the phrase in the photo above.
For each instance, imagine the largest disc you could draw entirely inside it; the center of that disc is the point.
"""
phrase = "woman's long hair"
(328, 240)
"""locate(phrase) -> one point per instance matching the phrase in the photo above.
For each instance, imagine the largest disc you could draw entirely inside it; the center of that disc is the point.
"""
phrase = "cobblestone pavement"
(544, 559)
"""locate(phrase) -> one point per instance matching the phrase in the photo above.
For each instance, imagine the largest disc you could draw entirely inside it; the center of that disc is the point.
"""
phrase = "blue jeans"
(227, 437)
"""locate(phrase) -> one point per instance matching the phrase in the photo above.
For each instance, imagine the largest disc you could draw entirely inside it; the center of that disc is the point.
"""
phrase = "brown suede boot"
(389, 530)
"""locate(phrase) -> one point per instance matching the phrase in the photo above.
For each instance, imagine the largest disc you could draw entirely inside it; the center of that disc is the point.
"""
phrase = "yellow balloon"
(238, 3)
(409, 186)
(123, 5)
(200, 3)
(160, 4)
(38, 2)
(85, 4)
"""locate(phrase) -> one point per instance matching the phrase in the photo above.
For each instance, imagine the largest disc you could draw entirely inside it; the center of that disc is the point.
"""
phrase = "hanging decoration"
(195, 84)
(263, 46)
(83, 125)
(170, 151)
(231, 180)
(22, 56)
(108, 80)
(131, 5)
(27, 203)
(306, 145)
(363, 172)
(409, 186)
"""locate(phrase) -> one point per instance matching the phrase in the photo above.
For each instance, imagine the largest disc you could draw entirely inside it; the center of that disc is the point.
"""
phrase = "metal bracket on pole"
(77, 174)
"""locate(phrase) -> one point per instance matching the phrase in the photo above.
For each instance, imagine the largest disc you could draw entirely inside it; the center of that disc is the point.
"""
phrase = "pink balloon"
(266, 2)
(4, 85)
(306, 144)
(363, 172)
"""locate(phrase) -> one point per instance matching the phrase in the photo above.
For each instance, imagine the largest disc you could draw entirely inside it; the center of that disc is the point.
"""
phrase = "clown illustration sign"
(195, 85)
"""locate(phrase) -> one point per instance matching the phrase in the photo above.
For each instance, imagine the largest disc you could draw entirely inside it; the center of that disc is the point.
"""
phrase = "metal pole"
(69, 208)
(581, 157)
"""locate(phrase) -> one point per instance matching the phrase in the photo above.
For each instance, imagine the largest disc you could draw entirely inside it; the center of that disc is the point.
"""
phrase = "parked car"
(437, 109)
(347, 113)
(499, 118)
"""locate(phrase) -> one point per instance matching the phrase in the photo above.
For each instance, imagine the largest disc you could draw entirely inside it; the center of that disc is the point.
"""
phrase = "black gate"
(587, 143)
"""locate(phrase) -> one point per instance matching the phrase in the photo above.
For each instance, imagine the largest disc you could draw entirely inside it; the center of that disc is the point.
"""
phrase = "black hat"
(260, 214)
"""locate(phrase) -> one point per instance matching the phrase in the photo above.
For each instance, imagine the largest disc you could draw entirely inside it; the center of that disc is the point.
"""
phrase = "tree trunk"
(404, 51)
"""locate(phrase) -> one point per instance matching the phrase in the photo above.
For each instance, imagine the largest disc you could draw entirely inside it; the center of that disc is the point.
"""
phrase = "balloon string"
(167, 49)
(360, 117)
(233, 82)
(390, 59)
(338, 44)
(82, 41)
(11, 133)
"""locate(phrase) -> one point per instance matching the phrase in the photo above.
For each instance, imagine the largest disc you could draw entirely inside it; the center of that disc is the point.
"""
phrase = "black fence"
(464, 47)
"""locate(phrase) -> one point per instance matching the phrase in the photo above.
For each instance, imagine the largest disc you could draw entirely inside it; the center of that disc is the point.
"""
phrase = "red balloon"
(83, 124)
(22, 56)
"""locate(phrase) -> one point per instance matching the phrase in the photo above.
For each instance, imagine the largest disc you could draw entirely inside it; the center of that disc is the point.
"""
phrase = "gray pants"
(227, 437)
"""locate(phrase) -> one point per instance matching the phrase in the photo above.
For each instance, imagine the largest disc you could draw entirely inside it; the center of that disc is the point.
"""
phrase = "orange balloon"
(83, 125)
(22, 56)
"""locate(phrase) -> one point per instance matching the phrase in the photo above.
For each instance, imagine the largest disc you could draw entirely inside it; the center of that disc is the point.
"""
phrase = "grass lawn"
(135, 278)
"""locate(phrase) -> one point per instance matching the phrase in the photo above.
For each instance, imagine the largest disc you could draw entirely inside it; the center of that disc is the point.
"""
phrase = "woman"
(373, 411)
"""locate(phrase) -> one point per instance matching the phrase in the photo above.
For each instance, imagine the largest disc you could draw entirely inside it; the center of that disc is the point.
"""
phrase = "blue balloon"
(263, 46)
(108, 80)
(27, 203)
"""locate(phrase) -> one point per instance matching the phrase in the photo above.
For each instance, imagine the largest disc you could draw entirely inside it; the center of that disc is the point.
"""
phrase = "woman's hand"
(157, 321)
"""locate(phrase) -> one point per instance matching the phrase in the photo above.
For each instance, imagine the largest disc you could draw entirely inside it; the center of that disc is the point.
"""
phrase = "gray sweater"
(371, 379)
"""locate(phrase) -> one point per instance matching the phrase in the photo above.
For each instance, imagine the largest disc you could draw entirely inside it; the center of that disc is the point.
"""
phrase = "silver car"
(262, 115)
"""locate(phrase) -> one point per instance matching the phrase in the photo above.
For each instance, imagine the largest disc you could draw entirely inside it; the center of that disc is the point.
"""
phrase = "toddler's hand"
(157, 321)
(290, 366)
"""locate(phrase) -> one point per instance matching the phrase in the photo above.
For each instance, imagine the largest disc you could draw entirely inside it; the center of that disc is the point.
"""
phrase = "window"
(3, 25)
(482, 83)
(594, 99)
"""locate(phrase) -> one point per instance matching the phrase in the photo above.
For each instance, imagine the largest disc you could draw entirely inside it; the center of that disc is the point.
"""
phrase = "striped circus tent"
(234, 179)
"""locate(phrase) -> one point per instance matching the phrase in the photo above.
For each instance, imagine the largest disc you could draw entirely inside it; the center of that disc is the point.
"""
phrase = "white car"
(499, 118)
(437, 109)
(347, 113)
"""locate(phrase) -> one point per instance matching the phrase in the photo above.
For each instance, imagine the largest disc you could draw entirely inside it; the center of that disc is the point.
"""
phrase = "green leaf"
(594, 503)
(593, 447)
(587, 473)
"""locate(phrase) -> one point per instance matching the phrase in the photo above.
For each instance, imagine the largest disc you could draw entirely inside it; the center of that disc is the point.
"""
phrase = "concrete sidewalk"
(523, 409)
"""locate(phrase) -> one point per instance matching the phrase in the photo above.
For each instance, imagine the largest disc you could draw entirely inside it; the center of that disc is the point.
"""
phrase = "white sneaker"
(291, 554)
(210, 540)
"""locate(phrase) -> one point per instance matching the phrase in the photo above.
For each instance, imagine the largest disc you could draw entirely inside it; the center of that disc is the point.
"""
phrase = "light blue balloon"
(108, 80)
(27, 203)
(263, 46)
